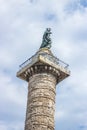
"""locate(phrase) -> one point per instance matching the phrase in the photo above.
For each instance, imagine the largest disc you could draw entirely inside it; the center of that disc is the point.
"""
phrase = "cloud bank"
(22, 23)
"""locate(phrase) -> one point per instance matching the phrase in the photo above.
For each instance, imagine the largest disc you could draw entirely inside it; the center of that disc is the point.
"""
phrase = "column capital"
(41, 68)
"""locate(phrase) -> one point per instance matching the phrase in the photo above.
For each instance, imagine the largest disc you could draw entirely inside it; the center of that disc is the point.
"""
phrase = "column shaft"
(41, 102)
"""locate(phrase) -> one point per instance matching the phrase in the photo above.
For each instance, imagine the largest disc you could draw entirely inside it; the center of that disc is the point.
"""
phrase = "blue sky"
(22, 24)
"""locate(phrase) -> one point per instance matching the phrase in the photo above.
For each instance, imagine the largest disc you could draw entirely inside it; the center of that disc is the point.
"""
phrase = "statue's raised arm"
(46, 42)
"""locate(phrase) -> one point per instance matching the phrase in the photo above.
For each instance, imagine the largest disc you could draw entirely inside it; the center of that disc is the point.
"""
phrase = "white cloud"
(21, 28)
(10, 91)
(8, 126)
(2, 126)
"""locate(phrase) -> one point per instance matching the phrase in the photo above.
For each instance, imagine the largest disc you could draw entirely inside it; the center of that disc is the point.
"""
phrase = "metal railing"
(55, 60)
(49, 57)
(26, 62)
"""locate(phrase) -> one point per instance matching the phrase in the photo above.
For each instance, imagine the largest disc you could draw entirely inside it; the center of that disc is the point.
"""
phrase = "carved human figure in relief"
(46, 42)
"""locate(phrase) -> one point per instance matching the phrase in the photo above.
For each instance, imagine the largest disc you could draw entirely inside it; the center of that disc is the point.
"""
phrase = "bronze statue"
(46, 42)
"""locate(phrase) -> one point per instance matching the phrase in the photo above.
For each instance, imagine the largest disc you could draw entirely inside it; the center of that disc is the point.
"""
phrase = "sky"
(22, 24)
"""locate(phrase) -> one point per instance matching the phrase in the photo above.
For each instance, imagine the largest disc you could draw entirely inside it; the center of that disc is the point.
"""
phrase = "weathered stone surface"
(42, 72)
(41, 102)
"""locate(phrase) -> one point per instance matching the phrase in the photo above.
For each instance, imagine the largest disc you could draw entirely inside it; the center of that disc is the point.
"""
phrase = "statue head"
(48, 30)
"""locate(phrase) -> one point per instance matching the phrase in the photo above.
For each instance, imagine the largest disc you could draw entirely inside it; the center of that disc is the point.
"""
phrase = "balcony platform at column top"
(44, 57)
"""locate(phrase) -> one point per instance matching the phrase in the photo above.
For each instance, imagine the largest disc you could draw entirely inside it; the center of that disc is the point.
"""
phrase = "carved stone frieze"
(39, 68)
